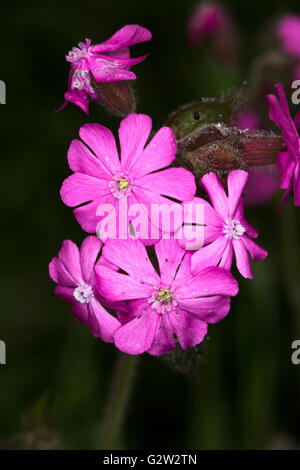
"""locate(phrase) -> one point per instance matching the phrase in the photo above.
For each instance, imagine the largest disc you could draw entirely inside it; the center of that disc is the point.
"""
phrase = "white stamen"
(83, 294)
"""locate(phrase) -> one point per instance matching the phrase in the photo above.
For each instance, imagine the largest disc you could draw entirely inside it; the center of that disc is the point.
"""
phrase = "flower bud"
(236, 150)
(116, 97)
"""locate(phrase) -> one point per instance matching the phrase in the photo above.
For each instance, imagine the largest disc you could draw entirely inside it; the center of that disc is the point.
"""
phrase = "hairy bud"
(116, 97)
(234, 150)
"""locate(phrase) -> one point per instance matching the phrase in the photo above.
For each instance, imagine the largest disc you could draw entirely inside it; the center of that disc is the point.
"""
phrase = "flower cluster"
(155, 308)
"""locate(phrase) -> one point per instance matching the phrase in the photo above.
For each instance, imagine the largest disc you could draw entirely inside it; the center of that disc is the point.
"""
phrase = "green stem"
(115, 410)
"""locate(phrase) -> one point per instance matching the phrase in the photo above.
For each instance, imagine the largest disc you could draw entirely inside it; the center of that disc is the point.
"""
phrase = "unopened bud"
(236, 150)
(116, 97)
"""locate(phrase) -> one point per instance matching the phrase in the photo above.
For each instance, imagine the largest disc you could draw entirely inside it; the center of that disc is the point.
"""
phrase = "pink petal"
(236, 182)
(159, 153)
(164, 215)
(105, 72)
(116, 286)
(126, 36)
(211, 217)
(80, 312)
(133, 134)
(79, 188)
(242, 259)
(184, 272)
(210, 281)
(297, 118)
(177, 183)
(163, 341)
(209, 255)
(214, 189)
(188, 329)
(169, 255)
(102, 143)
(69, 256)
(296, 185)
(208, 309)
(257, 253)
(81, 160)
(131, 256)
(137, 335)
(89, 251)
(103, 324)
(280, 114)
(286, 167)
(79, 98)
(87, 217)
(59, 274)
(65, 293)
(226, 260)
(251, 231)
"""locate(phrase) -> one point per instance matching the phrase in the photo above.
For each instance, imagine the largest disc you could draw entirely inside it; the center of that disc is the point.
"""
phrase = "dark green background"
(249, 391)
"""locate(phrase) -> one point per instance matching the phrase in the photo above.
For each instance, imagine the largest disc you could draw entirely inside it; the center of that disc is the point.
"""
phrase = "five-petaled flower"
(101, 179)
(226, 230)
(174, 302)
(289, 161)
(73, 271)
(106, 62)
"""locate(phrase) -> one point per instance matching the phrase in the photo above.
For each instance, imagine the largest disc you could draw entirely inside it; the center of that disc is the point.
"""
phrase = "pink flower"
(212, 20)
(288, 31)
(73, 271)
(106, 62)
(288, 161)
(100, 177)
(174, 302)
(226, 230)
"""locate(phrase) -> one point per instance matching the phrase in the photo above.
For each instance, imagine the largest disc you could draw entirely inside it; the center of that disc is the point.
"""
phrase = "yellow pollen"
(164, 296)
(122, 184)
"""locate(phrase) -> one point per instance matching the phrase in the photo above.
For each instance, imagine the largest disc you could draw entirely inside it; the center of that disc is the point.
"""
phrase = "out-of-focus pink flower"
(263, 182)
(174, 302)
(212, 20)
(100, 177)
(288, 161)
(73, 271)
(106, 62)
(226, 230)
(288, 31)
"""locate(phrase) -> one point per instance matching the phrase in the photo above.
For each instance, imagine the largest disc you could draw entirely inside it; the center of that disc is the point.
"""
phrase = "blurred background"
(56, 380)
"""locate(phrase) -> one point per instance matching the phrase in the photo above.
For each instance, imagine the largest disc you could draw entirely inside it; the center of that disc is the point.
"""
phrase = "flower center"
(233, 229)
(162, 300)
(123, 184)
(120, 186)
(77, 53)
(83, 294)
(164, 296)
